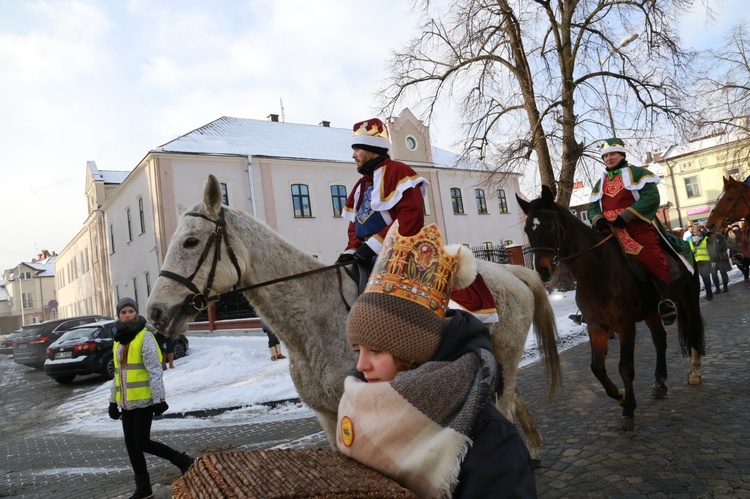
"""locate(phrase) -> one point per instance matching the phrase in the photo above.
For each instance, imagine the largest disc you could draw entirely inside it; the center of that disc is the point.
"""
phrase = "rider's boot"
(666, 307)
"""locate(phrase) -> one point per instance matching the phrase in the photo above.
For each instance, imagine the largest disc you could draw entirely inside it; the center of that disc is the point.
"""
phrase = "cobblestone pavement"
(693, 443)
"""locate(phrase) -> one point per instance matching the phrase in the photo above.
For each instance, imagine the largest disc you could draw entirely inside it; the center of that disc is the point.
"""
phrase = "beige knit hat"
(402, 310)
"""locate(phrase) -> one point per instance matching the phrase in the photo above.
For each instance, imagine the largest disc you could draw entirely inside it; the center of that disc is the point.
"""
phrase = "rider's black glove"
(364, 255)
(601, 225)
(619, 222)
(346, 258)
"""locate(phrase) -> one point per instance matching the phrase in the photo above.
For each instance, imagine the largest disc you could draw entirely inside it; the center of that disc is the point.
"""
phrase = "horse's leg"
(529, 427)
(694, 375)
(598, 338)
(659, 337)
(327, 420)
(627, 373)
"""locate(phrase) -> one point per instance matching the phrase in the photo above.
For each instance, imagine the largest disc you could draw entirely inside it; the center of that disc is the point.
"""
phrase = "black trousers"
(136, 426)
(704, 269)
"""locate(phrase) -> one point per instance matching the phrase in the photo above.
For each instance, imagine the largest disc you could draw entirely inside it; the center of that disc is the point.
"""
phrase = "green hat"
(612, 145)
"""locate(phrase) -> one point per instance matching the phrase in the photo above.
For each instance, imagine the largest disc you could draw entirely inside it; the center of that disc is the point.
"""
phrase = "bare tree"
(724, 89)
(528, 78)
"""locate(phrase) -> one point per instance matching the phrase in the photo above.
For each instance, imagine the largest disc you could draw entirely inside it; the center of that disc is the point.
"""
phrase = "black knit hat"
(126, 302)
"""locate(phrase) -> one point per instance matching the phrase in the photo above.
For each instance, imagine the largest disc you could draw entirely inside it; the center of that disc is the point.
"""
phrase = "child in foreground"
(419, 407)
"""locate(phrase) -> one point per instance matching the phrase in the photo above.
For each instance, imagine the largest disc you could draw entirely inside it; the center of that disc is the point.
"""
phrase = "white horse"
(309, 313)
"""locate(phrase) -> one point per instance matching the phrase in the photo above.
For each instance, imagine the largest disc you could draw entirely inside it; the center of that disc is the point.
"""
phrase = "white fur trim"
(484, 318)
(605, 150)
(377, 180)
(371, 141)
(467, 265)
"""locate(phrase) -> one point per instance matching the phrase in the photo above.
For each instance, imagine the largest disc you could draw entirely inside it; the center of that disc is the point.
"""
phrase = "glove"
(160, 408)
(619, 222)
(364, 255)
(601, 225)
(346, 258)
(114, 412)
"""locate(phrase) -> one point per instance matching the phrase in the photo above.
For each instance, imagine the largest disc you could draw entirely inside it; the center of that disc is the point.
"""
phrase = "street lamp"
(625, 41)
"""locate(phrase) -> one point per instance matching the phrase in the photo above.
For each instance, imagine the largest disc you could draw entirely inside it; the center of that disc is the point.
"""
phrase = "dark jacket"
(498, 463)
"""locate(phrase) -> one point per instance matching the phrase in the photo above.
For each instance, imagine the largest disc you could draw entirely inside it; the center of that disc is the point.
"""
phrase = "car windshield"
(84, 332)
(31, 330)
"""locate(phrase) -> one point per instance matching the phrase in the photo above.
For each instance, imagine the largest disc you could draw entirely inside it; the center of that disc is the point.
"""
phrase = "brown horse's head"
(732, 205)
(543, 230)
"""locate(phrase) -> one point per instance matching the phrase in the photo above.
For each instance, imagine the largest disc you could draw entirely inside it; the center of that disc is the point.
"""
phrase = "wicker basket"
(289, 473)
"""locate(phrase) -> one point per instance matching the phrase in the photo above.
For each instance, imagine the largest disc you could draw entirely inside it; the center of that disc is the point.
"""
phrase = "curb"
(207, 413)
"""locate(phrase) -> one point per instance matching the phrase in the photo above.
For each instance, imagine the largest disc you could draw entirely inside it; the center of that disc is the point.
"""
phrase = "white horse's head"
(198, 264)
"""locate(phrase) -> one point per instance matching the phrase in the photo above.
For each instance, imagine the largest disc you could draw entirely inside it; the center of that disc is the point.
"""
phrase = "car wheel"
(179, 350)
(108, 369)
(64, 380)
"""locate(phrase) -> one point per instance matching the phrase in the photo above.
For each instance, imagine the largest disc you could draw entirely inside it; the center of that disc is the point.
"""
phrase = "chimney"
(326, 124)
(273, 117)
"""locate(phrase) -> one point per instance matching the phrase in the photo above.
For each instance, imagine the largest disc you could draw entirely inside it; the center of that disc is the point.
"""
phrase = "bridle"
(728, 215)
(200, 300)
(559, 235)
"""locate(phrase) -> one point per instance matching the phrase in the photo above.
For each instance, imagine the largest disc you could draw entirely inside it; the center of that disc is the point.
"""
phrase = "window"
(301, 201)
(411, 142)
(24, 276)
(28, 301)
(733, 172)
(692, 188)
(141, 215)
(502, 201)
(224, 193)
(130, 228)
(338, 198)
(481, 201)
(457, 201)
(117, 295)
(135, 290)
(111, 239)
(96, 247)
(148, 283)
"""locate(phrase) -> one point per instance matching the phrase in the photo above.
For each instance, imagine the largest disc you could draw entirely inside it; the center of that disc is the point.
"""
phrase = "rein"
(200, 300)
(556, 249)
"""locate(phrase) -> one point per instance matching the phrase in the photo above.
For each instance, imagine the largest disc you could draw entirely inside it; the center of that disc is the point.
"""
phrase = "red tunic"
(638, 238)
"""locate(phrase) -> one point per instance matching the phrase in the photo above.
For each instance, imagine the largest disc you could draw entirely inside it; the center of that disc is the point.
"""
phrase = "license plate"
(22, 346)
(63, 355)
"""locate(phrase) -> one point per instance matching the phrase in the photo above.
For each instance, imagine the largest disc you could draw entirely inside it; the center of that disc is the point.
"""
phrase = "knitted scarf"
(126, 331)
(415, 429)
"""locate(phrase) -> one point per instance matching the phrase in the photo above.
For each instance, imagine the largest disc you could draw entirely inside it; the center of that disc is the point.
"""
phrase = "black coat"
(498, 464)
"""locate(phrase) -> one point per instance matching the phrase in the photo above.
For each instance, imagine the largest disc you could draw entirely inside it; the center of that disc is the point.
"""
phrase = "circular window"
(411, 143)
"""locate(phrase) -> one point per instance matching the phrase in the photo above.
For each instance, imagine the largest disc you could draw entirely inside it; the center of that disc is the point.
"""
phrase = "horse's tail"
(690, 325)
(545, 327)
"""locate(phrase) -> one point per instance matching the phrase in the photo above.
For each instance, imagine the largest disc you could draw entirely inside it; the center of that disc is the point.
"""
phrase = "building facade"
(27, 293)
(292, 177)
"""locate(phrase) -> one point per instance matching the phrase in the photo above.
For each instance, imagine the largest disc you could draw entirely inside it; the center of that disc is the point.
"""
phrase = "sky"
(103, 81)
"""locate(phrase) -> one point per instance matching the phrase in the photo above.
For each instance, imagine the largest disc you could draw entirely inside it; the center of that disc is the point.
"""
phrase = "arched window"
(481, 201)
(301, 201)
(457, 201)
(502, 202)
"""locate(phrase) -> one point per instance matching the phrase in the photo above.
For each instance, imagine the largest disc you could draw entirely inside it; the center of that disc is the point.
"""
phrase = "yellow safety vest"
(701, 252)
(136, 375)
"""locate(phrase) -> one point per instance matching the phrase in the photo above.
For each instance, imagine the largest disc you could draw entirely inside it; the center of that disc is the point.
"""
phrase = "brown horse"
(610, 297)
(733, 204)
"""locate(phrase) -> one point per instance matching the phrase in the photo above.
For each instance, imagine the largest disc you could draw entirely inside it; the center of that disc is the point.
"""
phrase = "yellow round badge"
(347, 431)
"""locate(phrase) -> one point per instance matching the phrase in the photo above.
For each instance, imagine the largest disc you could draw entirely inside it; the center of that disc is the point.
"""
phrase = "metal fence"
(499, 254)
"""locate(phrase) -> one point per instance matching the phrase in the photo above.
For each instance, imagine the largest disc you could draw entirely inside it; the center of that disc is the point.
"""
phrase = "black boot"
(142, 487)
(184, 462)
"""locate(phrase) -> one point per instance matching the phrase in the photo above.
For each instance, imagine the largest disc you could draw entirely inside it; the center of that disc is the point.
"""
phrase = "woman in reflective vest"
(699, 245)
(138, 393)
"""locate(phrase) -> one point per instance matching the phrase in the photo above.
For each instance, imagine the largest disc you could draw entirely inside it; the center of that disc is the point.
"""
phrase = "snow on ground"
(235, 371)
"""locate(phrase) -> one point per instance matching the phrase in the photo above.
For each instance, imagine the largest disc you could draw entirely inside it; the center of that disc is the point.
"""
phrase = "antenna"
(281, 101)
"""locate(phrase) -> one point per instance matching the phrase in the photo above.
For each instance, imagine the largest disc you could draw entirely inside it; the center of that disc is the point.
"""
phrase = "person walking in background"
(737, 242)
(138, 394)
(717, 252)
(274, 346)
(699, 246)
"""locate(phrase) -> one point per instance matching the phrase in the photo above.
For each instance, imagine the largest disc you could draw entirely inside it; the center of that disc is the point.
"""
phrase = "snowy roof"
(700, 144)
(46, 268)
(106, 176)
(248, 137)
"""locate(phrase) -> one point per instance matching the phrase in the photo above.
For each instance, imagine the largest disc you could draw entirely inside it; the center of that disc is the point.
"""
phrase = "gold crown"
(416, 268)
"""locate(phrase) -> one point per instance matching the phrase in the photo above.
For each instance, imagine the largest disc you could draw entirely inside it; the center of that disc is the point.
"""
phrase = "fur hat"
(402, 310)
(371, 135)
(612, 145)
(126, 302)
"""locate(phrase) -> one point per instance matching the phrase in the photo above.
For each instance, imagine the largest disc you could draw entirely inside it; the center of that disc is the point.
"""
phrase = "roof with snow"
(248, 137)
(46, 268)
(106, 176)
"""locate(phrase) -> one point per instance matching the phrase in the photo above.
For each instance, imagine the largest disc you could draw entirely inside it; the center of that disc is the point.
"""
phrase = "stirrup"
(667, 312)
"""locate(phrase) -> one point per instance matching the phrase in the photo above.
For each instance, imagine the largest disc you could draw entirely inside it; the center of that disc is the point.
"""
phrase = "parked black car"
(6, 346)
(30, 348)
(87, 349)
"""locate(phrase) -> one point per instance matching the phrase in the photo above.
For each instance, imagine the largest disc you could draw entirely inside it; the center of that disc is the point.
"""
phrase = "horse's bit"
(199, 300)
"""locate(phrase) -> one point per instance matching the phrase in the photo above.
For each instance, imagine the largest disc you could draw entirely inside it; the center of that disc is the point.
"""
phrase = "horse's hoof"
(626, 424)
(659, 391)
(694, 379)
